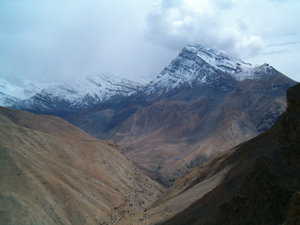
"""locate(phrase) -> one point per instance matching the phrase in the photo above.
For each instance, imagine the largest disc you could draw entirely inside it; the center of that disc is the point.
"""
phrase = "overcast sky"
(58, 40)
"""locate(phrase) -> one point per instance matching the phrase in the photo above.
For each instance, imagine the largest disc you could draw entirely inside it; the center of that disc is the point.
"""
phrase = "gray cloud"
(246, 29)
(64, 39)
(210, 23)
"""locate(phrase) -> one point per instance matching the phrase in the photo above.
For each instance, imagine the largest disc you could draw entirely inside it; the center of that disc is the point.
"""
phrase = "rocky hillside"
(53, 173)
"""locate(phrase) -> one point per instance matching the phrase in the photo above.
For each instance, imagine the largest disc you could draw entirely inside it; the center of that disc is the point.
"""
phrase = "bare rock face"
(54, 173)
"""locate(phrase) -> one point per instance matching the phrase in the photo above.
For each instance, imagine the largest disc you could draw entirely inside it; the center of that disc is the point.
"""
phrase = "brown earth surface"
(54, 173)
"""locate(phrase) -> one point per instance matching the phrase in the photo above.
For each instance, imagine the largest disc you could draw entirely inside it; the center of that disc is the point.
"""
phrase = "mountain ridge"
(79, 94)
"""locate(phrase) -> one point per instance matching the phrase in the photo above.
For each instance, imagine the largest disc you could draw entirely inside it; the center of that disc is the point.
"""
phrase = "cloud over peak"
(64, 39)
(174, 24)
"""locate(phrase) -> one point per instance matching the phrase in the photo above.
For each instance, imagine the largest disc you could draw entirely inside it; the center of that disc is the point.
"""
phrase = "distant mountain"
(198, 66)
(54, 173)
(203, 103)
(78, 94)
(10, 93)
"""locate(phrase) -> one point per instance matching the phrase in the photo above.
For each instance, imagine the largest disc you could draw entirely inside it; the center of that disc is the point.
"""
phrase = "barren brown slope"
(53, 173)
(209, 185)
(259, 187)
(192, 125)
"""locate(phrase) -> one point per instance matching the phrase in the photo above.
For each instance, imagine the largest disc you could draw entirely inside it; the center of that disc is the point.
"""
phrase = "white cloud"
(63, 39)
(246, 29)
(210, 23)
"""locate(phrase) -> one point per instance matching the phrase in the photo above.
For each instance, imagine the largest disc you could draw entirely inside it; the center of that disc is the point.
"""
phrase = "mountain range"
(202, 103)
(54, 173)
(61, 99)
(218, 136)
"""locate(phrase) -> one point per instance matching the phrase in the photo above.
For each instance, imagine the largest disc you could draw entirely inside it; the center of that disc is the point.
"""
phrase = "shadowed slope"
(260, 186)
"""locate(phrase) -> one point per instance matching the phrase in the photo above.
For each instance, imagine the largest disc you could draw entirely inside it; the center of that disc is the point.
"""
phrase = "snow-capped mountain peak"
(196, 64)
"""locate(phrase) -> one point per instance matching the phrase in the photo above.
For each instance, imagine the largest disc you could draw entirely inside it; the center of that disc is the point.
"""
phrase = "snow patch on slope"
(223, 61)
(101, 87)
(81, 93)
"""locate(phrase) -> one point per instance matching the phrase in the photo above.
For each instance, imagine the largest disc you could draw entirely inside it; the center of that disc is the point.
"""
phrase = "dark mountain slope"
(259, 187)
